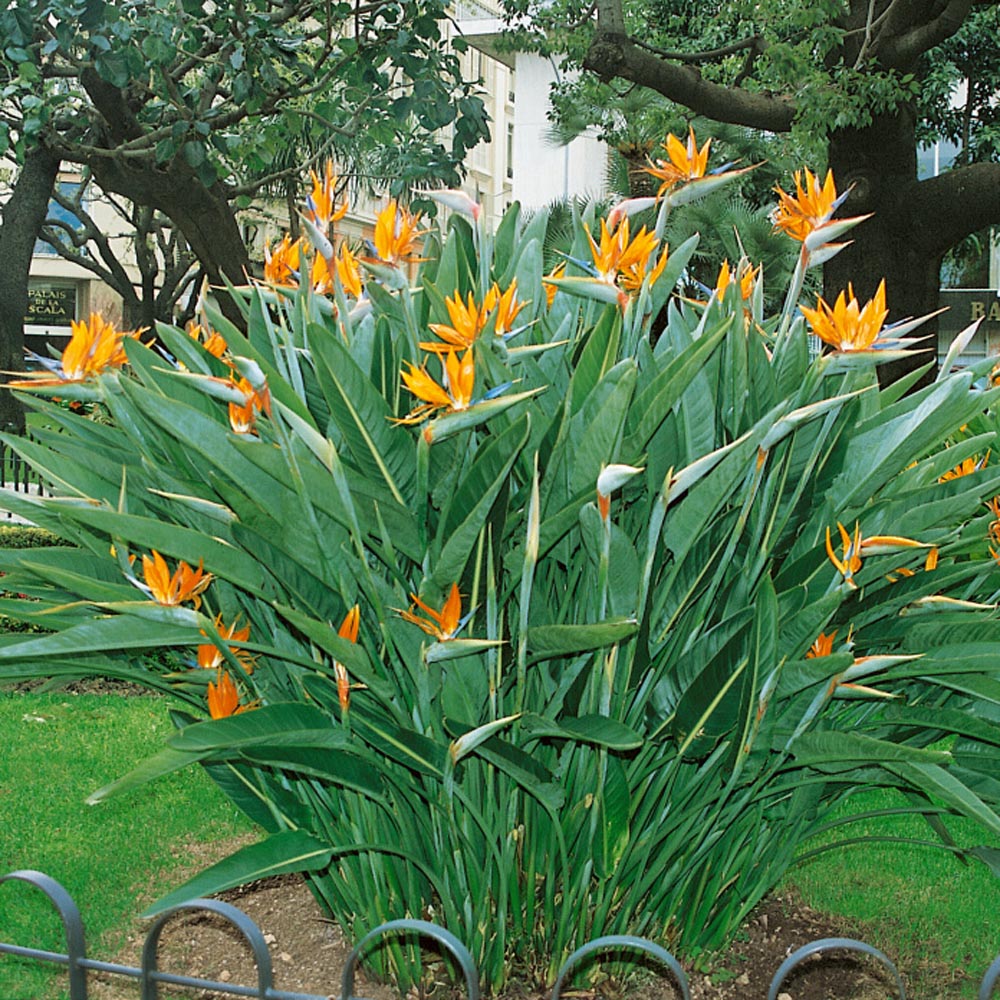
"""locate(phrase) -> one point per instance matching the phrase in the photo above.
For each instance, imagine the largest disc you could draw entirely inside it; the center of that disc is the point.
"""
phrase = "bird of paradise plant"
(848, 326)
(467, 321)
(810, 208)
(348, 630)
(505, 307)
(443, 624)
(321, 202)
(283, 262)
(746, 275)
(595, 711)
(210, 655)
(966, 467)
(855, 547)
(224, 697)
(396, 234)
(210, 339)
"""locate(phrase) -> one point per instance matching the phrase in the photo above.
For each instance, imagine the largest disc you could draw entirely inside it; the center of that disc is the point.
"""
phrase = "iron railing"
(149, 976)
(17, 475)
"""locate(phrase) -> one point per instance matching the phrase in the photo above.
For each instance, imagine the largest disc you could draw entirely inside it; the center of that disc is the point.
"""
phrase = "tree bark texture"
(23, 216)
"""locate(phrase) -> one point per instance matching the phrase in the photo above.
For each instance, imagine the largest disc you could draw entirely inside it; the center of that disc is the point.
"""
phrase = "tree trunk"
(203, 214)
(879, 166)
(23, 216)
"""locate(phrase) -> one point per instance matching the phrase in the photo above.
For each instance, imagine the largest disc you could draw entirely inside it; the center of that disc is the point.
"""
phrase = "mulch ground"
(308, 953)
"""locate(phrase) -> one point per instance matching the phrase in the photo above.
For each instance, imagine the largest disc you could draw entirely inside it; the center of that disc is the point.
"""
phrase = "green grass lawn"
(58, 748)
(928, 912)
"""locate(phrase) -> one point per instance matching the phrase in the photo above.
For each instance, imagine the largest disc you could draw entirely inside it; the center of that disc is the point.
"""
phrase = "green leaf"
(288, 851)
(101, 635)
(164, 762)
(939, 784)
(548, 641)
(409, 748)
(286, 724)
(600, 730)
(829, 749)
(382, 452)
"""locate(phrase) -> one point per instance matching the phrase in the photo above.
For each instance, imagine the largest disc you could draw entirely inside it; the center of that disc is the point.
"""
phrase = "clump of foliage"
(26, 536)
(544, 605)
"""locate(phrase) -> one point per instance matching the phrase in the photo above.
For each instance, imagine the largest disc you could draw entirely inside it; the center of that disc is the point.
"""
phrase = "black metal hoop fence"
(149, 976)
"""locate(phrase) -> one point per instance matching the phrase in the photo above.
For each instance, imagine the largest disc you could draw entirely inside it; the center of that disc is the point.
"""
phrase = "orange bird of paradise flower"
(506, 305)
(848, 326)
(467, 322)
(282, 264)
(210, 656)
(320, 202)
(243, 416)
(559, 271)
(966, 468)
(620, 254)
(745, 274)
(441, 624)
(224, 697)
(854, 547)
(348, 272)
(809, 208)
(823, 646)
(454, 395)
(348, 630)
(94, 347)
(210, 339)
(396, 234)
(172, 589)
(684, 162)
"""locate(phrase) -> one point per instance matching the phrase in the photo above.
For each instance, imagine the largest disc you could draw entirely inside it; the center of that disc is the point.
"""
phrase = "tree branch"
(901, 50)
(613, 54)
(755, 44)
(955, 204)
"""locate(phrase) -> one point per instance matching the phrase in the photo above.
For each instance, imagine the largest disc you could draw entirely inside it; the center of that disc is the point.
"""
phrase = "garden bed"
(309, 952)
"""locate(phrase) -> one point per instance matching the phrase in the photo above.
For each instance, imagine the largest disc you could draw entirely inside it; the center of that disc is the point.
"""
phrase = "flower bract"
(849, 326)
(172, 589)
(454, 394)
(443, 624)
(685, 162)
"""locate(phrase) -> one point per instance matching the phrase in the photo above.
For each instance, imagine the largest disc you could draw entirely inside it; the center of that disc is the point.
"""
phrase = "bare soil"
(308, 954)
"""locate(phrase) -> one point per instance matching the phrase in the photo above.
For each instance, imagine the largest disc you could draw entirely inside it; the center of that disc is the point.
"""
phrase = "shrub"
(581, 628)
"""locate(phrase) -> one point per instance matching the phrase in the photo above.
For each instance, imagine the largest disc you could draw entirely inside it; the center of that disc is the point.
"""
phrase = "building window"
(69, 190)
(510, 150)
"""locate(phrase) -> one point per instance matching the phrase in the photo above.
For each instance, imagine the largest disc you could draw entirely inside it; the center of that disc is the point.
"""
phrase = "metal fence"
(17, 475)
(149, 976)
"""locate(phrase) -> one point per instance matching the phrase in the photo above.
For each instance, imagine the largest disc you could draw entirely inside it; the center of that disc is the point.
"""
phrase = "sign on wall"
(51, 303)
(965, 306)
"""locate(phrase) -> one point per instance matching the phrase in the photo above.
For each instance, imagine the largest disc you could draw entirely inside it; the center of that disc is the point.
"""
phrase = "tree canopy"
(186, 105)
